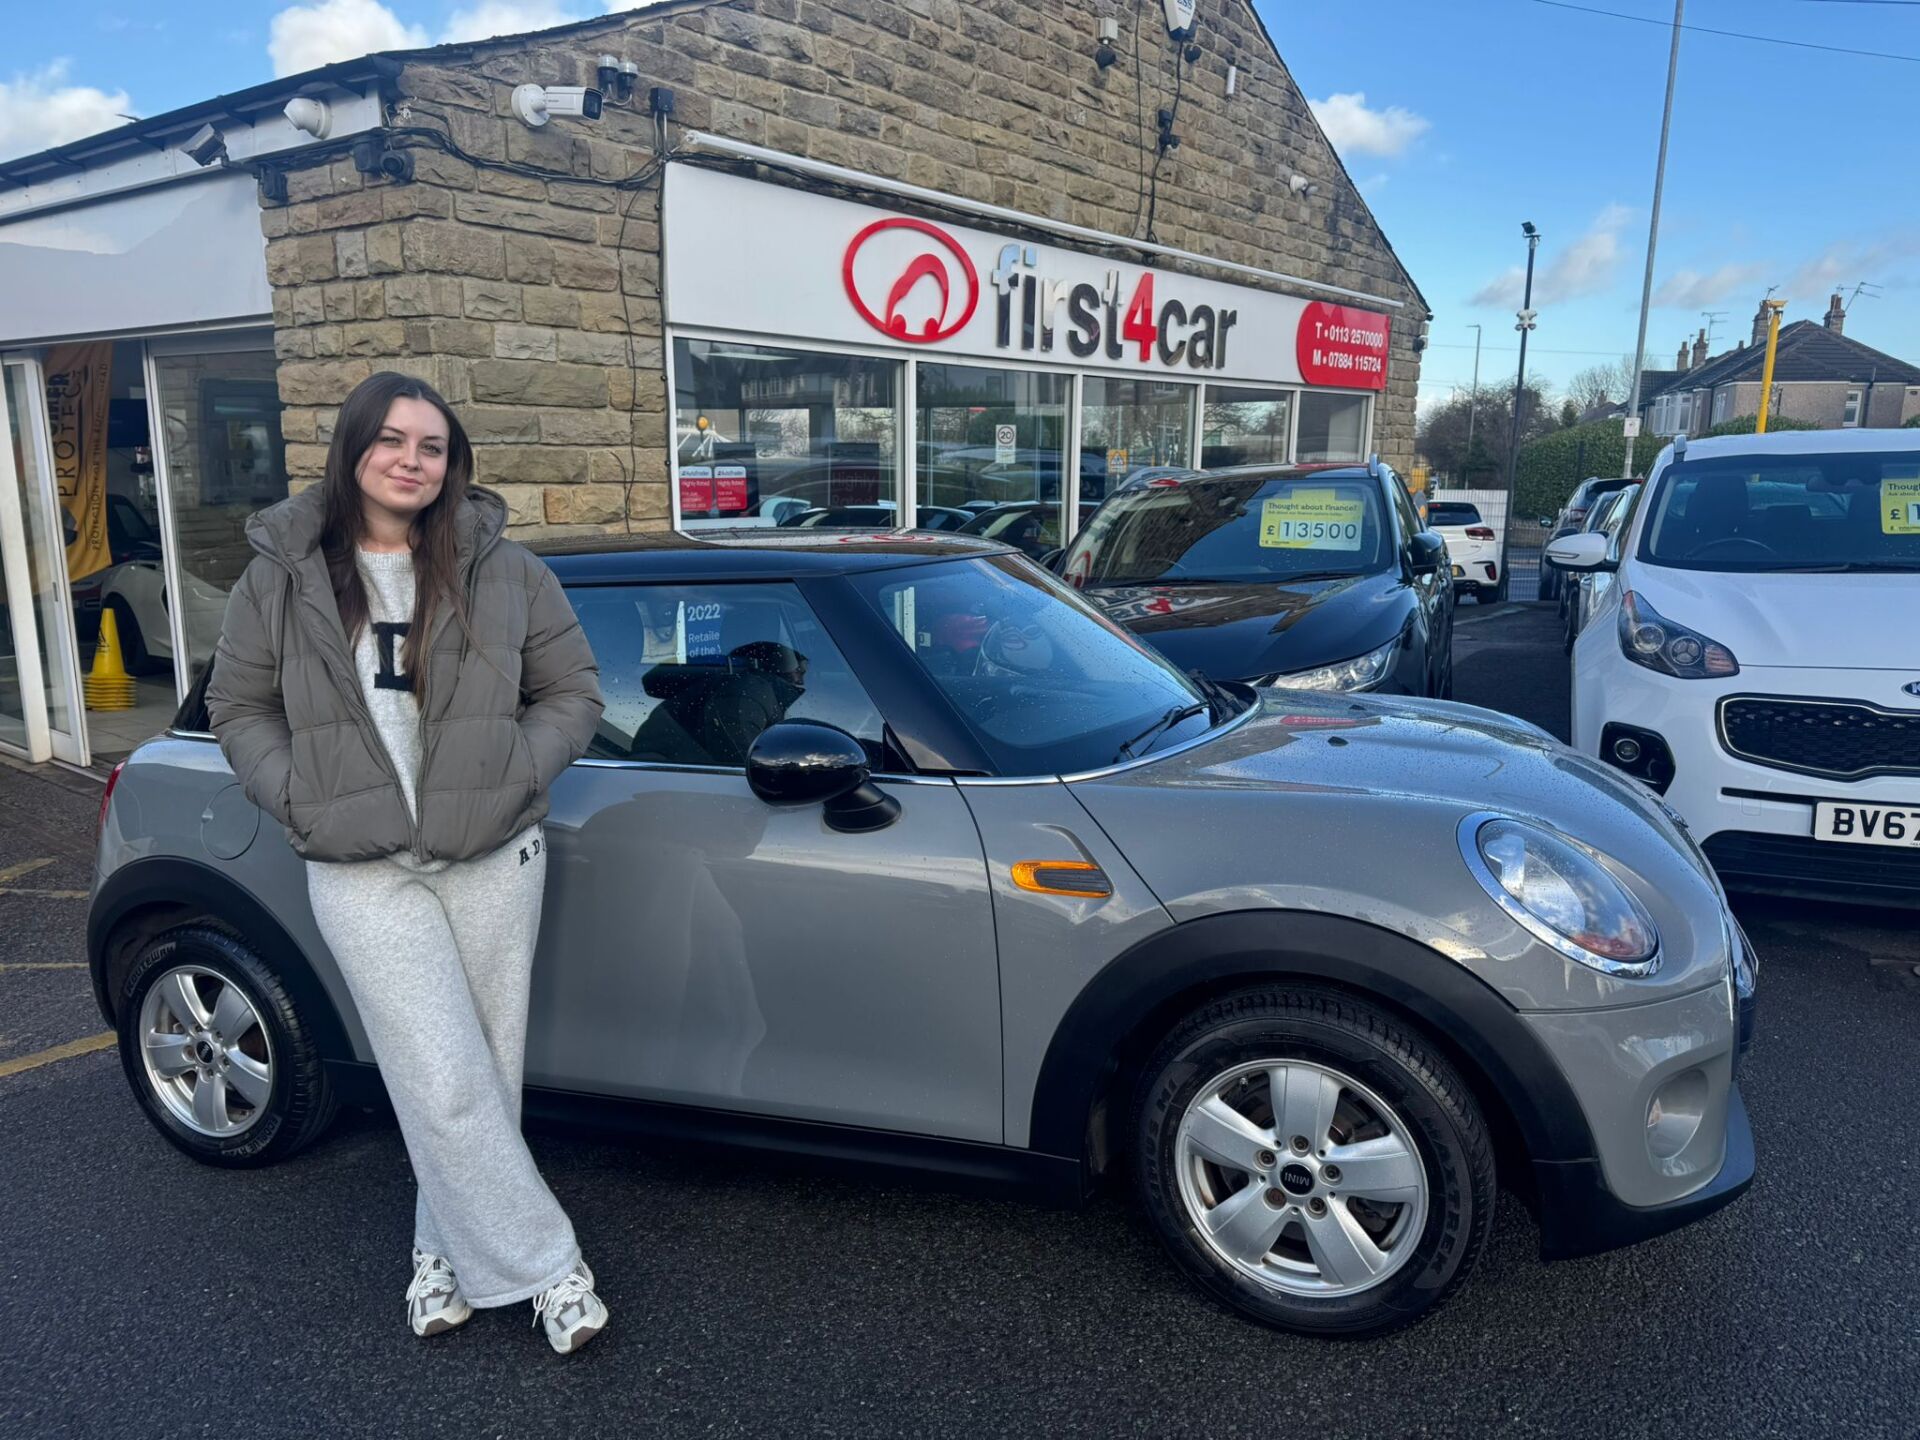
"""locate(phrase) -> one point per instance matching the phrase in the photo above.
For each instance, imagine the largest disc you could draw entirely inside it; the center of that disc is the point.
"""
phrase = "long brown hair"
(436, 558)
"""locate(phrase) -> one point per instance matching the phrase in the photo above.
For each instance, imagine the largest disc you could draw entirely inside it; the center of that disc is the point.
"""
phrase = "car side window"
(1410, 525)
(1620, 522)
(693, 673)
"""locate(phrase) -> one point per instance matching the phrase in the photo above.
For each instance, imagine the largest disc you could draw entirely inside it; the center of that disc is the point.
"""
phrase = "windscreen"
(1820, 512)
(1260, 528)
(1452, 512)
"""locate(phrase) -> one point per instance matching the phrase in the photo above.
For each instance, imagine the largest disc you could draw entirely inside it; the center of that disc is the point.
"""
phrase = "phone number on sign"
(1343, 360)
(1352, 335)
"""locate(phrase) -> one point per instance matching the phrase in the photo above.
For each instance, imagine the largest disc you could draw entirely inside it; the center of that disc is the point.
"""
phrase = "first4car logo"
(936, 270)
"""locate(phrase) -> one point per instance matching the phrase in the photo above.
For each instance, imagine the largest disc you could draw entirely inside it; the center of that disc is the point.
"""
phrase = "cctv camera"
(206, 146)
(537, 104)
(310, 116)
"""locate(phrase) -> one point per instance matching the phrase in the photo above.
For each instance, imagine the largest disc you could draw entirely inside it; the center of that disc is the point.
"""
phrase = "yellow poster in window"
(1900, 507)
(1312, 520)
(79, 383)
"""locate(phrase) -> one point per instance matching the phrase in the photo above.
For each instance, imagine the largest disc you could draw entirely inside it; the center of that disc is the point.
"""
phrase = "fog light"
(1674, 1116)
(1641, 753)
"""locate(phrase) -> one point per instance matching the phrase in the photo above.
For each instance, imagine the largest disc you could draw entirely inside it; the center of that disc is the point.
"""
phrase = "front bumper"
(1579, 1215)
(1754, 821)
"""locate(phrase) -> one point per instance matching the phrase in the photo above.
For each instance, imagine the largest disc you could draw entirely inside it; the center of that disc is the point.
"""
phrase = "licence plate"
(1866, 824)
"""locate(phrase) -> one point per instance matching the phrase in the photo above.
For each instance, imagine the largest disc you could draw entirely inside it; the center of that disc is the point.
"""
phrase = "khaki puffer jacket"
(497, 729)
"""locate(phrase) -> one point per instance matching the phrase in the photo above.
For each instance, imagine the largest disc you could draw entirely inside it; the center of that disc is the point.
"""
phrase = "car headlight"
(1362, 672)
(1648, 638)
(1562, 892)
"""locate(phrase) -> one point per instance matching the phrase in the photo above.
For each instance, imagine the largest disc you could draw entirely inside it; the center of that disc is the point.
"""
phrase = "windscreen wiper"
(1166, 722)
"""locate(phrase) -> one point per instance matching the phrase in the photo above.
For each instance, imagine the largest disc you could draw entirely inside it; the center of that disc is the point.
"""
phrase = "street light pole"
(1653, 235)
(1524, 324)
(1473, 403)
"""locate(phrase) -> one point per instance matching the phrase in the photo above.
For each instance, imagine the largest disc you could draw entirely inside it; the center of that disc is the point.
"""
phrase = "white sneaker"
(572, 1312)
(434, 1302)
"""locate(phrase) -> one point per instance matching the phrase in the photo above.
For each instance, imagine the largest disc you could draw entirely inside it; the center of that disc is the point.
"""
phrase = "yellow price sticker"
(1312, 520)
(1900, 507)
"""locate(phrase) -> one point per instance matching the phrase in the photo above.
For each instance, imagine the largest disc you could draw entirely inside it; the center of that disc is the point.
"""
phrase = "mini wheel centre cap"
(1296, 1179)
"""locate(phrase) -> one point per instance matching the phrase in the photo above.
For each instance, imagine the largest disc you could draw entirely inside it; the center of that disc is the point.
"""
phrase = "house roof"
(1807, 350)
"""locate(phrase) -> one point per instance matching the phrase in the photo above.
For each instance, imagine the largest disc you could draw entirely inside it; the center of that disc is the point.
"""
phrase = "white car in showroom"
(1756, 660)
(1473, 548)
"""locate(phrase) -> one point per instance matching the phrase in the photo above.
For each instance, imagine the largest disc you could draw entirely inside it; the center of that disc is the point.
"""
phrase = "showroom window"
(993, 452)
(1130, 425)
(220, 422)
(1244, 427)
(691, 674)
(770, 436)
(1332, 427)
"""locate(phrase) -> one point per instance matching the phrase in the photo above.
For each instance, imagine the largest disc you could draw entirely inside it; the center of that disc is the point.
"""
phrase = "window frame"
(1856, 403)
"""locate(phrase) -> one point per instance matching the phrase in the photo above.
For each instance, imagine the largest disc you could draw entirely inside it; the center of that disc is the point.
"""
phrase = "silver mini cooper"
(893, 848)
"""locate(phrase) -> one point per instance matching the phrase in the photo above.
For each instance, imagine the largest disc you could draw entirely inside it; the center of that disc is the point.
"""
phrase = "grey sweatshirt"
(378, 653)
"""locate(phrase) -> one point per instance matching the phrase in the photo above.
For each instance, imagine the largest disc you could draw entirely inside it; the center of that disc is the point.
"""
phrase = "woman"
(399, 686)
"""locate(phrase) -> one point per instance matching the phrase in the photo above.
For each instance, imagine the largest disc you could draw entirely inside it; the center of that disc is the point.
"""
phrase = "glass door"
(40, 714)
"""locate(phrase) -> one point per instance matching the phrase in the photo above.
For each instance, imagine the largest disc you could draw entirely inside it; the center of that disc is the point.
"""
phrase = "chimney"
(1681, 362)
(1760, 324)
(1836, 316)
(1700, 350)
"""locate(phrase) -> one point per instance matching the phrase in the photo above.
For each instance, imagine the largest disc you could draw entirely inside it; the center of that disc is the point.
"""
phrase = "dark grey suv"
(892, 847)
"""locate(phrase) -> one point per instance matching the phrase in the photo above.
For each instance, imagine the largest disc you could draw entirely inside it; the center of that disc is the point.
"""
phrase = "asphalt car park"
(147, 1294)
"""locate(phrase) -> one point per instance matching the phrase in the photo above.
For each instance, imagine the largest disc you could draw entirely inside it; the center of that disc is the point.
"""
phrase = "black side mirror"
(802, 762)
(1427, 553)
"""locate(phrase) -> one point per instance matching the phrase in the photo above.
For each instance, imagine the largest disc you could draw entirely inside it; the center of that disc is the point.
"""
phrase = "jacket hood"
(289, 529)
(1250, 630)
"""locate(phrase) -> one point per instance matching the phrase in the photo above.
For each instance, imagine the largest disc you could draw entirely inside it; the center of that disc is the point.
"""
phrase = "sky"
(1789, 167)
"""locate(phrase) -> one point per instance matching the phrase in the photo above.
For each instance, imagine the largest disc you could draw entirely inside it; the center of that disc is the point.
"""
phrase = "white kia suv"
(1756, 658)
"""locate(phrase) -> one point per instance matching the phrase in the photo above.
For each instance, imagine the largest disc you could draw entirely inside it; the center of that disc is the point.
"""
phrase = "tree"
(1602, 384)
(1442, 434)
(1569, 414)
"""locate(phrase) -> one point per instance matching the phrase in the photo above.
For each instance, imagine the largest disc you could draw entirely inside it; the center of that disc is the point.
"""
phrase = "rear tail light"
(1480, 532)
(106, 799)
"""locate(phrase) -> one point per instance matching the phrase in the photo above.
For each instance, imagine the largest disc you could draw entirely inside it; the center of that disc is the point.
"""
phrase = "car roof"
(754, 553)
(1799, 442)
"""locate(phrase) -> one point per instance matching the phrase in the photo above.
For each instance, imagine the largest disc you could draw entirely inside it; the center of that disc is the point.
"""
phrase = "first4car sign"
(857, 275)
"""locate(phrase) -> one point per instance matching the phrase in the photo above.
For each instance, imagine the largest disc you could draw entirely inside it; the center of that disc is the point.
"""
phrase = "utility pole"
(1653, 236)
(1473, 403)
(1524, 321)
(1774, 307)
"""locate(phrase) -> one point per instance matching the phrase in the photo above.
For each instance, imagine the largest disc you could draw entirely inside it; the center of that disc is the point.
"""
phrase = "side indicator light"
(1062, 877)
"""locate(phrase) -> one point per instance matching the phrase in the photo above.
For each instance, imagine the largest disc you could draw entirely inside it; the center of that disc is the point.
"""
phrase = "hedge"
(1551, 467)
(1743, 425)
(1912, 422)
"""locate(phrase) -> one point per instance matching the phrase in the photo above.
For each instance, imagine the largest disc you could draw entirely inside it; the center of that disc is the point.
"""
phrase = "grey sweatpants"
(440, 964)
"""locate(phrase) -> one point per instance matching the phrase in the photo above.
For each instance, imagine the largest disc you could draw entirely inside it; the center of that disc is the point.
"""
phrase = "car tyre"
(236, 1080)
(1391, 1084)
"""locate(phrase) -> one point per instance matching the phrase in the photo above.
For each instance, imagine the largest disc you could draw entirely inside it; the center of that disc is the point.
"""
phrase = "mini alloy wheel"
(1312, 1160)
(205, 1051)
(1301, 1177)
(217, 1050)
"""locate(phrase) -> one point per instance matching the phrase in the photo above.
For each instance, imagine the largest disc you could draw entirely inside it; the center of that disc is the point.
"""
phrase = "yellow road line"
(25, 867)
(58, 1052)
(44, 894)
(45, 965)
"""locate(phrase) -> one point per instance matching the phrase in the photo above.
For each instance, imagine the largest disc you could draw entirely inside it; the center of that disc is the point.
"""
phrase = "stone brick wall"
(532, 300)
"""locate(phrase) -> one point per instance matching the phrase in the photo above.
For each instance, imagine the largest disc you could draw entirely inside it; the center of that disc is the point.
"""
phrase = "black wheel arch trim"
(174, 881)
(1462, 1011)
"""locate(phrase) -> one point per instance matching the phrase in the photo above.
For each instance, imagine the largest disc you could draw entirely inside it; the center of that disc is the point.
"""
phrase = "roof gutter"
(860, 180)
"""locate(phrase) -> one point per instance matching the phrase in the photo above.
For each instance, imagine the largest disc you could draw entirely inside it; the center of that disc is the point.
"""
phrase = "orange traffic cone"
(108, 685)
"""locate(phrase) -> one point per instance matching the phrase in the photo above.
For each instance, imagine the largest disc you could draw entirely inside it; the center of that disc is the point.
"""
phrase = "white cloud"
(1353, 129)
(1690, 290)
(304, 37)
(1585, 267)
(38, 111)
(508, 17)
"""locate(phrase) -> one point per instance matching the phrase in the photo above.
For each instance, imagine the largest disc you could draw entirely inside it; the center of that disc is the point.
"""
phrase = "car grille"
(1847, 739)
(1801, 865)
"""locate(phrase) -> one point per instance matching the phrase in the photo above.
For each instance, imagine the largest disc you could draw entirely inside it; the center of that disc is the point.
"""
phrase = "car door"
(703, 947)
